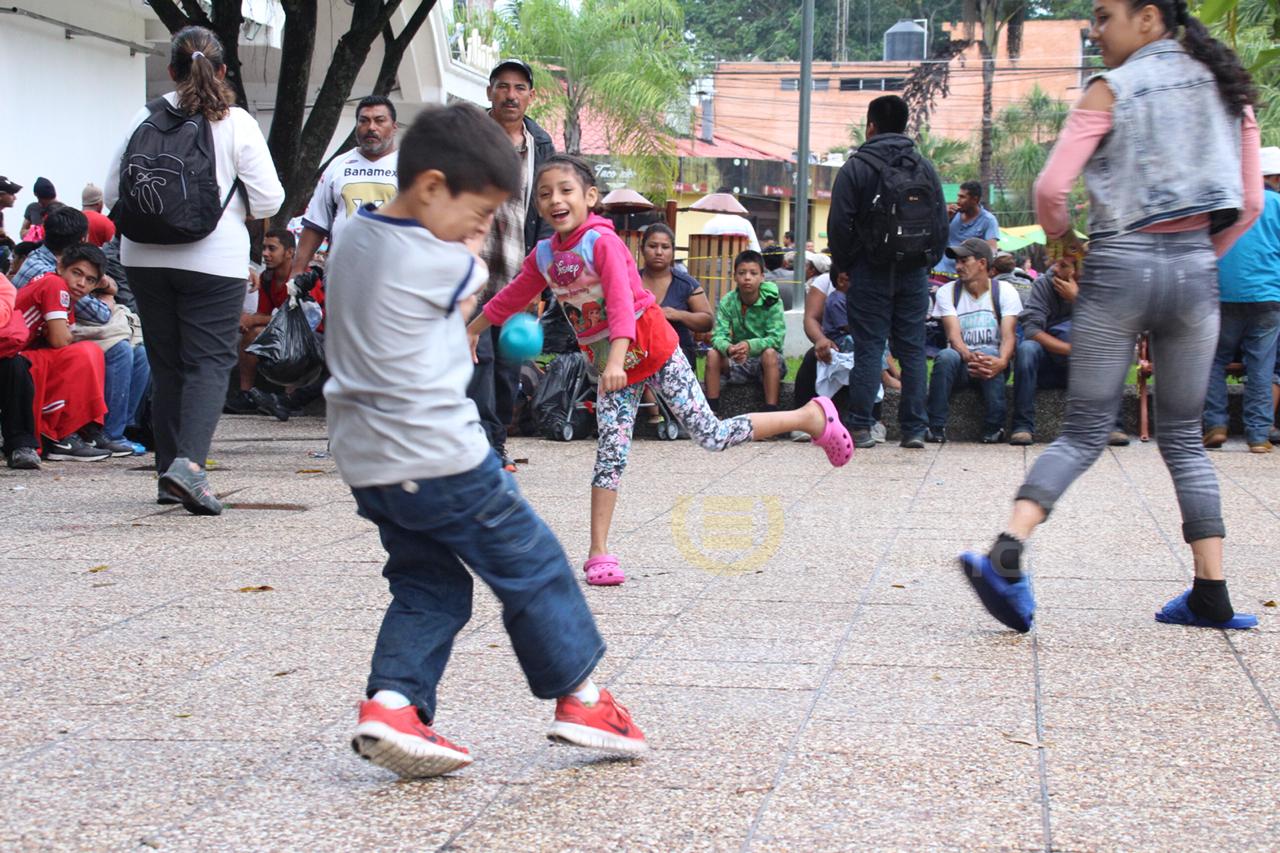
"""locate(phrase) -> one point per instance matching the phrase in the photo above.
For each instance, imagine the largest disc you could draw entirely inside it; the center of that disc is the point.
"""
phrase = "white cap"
(1270, 157)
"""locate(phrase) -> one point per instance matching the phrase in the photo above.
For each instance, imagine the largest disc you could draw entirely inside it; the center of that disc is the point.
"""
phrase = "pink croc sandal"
(835, 439)
(604, 570)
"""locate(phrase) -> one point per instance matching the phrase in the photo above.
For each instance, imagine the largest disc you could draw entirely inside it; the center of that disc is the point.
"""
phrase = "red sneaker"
(605, 725)
(399, 741)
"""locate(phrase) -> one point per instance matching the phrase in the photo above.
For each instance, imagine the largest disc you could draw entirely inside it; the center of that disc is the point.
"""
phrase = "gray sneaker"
(163, 496)
(24, 459)
(862, 438)
(191, 487)
(878, 432)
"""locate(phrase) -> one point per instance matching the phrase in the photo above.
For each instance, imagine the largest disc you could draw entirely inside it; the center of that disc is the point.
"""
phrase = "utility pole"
(802, 148)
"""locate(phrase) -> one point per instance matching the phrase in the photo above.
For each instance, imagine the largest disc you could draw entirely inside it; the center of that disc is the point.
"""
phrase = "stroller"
(564, 406)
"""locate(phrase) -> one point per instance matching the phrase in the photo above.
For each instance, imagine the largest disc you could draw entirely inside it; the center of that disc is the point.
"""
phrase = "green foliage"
(625, 63)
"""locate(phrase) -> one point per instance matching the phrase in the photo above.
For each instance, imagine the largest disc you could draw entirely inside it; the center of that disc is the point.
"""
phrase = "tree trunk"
(296, 51)
(988, 83)
(572, 121)
(393, 51)
(368, 17)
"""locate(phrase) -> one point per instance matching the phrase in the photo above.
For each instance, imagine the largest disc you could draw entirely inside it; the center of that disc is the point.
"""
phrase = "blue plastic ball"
(520, 338)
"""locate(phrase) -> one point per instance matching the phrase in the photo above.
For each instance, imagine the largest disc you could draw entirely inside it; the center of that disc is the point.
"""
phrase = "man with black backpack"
(887, 227)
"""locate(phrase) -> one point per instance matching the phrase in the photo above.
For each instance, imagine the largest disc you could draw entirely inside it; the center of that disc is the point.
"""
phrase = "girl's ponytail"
(195, 56)
(1234, 82)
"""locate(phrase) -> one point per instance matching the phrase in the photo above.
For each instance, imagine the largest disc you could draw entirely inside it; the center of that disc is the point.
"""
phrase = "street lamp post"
(802, 148)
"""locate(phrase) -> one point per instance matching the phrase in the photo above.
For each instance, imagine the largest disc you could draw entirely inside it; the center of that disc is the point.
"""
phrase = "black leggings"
(17, 398)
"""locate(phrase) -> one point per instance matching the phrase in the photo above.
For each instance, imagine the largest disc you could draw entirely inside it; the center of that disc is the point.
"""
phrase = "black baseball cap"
(8, 186)
(973, 247)
(515, 64)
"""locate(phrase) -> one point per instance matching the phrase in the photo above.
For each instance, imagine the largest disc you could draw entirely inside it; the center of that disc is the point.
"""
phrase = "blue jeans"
(433, 530)
(888, 304)
(1244, 328)
(127, 377)
(1035, 369)
(950, 373)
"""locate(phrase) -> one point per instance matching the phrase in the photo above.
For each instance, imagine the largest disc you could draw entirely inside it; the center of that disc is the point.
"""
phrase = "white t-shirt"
(397, 351)
(239, 151)
(820, 283)
(731, 223)
(978, 327)
(349, 183)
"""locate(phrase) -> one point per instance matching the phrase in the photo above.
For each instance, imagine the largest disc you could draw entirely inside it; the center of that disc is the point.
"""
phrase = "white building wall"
(69, 100)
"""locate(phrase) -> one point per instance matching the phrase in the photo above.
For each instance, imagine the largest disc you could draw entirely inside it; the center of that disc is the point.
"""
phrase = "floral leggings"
(677, 385)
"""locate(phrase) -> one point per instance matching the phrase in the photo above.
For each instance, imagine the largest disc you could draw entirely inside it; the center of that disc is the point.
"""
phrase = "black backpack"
(901, 226)
(169, 179)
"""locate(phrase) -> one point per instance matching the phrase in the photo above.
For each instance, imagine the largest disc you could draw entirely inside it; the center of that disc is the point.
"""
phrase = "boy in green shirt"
(746, 344)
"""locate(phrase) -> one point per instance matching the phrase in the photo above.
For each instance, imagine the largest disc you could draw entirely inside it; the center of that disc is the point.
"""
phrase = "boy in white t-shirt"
(981, 337)
(408, 442)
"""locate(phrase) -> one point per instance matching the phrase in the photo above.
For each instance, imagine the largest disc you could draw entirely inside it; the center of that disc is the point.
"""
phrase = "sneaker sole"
(587, 737)
(407, 756)
(67, 457)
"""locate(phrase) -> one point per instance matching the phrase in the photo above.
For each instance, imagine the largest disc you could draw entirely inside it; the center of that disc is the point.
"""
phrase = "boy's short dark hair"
(83, 252)
(773, 257)
(465, 145)
(285, 236)
(889, 113)
(376, 101)
(748, 256)
(973, 188)
(64, 227)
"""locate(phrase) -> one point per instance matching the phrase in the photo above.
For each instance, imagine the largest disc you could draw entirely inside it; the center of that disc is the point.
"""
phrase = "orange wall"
(752, 108)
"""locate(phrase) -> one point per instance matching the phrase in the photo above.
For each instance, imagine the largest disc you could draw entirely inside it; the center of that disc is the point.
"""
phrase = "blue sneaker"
(138, 449)
(1009, 601)
(1177, 612)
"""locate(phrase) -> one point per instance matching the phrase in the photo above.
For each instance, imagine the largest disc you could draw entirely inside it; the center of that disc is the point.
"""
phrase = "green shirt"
(762, 325)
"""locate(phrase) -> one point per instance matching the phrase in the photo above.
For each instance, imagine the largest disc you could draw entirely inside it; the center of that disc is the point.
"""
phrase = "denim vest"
(1173, 150)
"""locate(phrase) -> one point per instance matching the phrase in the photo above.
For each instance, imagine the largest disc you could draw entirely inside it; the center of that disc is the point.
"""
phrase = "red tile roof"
(595, 142)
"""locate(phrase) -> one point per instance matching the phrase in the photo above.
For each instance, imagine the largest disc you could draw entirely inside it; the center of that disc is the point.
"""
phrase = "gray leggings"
(1165, 284)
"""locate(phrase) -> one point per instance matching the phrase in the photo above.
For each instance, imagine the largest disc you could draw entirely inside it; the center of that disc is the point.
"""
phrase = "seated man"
(1006, 269)
(17, 393)
(980, 334)
(278, 249)
(68, 376)
(1044, 349)
(746, 343)
(63, 226)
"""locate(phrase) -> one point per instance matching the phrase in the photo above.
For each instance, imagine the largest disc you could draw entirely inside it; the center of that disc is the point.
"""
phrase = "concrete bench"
(966, 409)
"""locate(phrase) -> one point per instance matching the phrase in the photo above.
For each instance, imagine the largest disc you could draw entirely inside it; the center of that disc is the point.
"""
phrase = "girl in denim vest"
(620, 326)
(1168, 146)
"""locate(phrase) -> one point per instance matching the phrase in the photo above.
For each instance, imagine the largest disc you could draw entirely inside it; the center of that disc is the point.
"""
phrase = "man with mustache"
(365, 174)
(515, 231)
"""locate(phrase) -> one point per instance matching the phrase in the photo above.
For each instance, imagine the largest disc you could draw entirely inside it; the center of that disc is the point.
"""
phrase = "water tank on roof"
(905, 41)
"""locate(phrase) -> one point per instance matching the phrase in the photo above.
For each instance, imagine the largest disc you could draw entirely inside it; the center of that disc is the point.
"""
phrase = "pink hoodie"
(595, 280)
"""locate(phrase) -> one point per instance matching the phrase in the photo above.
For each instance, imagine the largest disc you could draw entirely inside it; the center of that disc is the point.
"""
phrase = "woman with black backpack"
(191, 170)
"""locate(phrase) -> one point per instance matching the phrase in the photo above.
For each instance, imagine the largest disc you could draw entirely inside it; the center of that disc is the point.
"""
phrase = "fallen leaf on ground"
(898, 585)
(1269, 603)
(263, 588)
(1025, 740)
(310, 470)
(182, 716)
(283, 672)
(98, 585)
(96, 569)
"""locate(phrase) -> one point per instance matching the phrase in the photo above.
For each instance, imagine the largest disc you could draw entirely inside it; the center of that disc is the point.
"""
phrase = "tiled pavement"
(820, 679)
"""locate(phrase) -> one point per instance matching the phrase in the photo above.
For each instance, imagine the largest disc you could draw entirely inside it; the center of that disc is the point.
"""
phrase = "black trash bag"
(557, 408)
(522, 421)
(288, 351)
(557, 334)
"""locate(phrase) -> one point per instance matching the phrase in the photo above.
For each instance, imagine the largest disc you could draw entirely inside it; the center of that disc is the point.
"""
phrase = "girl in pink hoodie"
(621, 328)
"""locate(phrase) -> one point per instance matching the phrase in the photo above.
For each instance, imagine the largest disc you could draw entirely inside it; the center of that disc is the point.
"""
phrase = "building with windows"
(756, 103)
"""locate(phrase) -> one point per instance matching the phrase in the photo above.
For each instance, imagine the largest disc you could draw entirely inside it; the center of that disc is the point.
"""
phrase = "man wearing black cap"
(981, 336)
(515, 231)
(8, 189)
(46, 195)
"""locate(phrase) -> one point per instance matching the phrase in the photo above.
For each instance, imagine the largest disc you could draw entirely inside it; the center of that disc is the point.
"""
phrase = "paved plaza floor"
(811, 669)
